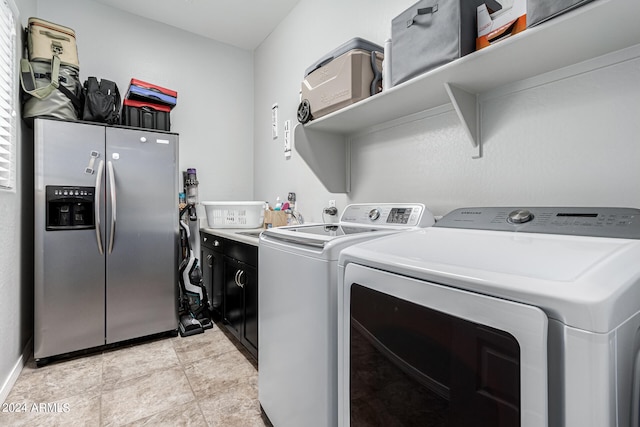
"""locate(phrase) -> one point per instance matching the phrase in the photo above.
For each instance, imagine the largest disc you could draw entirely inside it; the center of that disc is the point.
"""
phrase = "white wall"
(565, 141)
(214, 82)
(311, 30)
(16, 267)
(568, 142)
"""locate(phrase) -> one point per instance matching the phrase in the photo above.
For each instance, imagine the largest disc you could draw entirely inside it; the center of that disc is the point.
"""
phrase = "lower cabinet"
(241, 302)
(230, 268)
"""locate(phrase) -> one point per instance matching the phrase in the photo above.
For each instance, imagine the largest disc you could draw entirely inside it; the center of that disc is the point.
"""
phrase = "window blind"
(8, 95)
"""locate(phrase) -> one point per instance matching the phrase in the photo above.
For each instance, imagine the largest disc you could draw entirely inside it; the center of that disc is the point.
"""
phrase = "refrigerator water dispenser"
(70, 208)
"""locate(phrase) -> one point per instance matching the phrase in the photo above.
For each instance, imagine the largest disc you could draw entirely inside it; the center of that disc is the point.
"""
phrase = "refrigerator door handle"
(96, 207)
(112, 192)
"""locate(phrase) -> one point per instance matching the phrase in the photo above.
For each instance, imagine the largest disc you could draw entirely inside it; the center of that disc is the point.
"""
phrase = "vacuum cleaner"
(195, 315)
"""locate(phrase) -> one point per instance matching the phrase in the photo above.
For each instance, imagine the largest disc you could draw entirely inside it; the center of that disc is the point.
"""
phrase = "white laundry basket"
(234, 214)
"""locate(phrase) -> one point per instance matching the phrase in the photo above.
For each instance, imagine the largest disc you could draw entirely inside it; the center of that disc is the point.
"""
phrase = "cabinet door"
(249, 278)
(233, 297)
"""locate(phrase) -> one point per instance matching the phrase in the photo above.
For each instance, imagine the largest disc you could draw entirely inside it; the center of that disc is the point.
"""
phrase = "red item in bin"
(140, 104)
(160, 89)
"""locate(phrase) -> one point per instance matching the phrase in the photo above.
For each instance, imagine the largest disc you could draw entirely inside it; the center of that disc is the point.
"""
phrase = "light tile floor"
(203, 380)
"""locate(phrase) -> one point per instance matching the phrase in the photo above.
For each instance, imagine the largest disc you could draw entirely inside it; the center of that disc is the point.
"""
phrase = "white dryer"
(297, 308)
(494, 317)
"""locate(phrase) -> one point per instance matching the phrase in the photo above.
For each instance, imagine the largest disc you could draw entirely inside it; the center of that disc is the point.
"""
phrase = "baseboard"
(15, 372)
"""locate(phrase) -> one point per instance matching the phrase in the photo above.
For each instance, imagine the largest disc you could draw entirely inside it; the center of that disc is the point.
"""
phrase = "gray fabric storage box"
(431, 33)
(539, 11)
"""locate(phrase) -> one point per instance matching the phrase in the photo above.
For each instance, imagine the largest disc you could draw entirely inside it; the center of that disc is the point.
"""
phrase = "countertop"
(234, 234)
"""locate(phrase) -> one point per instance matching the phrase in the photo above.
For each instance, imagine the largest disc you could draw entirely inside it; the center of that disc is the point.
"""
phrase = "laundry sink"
(252, 233)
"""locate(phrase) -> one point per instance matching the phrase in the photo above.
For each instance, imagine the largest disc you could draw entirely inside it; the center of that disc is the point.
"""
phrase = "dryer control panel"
(577, 221)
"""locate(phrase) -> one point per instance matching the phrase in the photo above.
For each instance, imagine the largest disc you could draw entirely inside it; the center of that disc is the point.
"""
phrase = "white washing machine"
(297, 308)
(494, 317)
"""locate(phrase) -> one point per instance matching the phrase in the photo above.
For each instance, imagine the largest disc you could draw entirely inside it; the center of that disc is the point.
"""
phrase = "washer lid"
(591, 283)
(356, 220)
(332, 230)
(318, 235)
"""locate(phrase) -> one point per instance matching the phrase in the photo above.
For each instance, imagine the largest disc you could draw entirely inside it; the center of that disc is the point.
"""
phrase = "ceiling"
(241, 23)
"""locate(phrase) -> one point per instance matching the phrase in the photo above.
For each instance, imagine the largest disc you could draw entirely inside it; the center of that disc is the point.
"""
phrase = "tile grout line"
(195, 396)
(142, 376)
(100, 421)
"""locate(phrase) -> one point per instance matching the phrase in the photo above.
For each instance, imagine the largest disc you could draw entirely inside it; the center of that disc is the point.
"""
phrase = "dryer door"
(417, 353)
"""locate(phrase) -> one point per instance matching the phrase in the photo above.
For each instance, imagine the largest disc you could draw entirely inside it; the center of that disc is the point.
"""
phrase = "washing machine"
(297, 308)
(494, 317)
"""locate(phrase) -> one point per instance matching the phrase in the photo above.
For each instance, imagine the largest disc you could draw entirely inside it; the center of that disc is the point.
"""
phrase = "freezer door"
(69, 268)
(142, 233)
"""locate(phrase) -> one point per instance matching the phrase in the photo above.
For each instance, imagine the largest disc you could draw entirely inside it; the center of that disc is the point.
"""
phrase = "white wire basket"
(234, 214)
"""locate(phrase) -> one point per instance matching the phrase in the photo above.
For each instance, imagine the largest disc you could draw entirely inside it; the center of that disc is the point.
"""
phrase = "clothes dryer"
(494, 317)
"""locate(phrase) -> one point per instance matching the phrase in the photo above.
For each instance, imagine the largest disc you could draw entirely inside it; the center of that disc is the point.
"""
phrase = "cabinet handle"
(239, 276)
(209, 260)
(216, 243)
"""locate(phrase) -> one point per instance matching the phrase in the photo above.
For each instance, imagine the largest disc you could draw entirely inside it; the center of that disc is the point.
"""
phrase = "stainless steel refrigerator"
(106, 235)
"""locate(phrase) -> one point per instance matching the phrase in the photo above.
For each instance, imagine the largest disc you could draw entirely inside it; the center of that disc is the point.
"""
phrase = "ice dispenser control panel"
(69, 207)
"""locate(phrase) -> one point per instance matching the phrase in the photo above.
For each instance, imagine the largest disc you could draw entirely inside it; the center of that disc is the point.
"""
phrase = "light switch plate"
(274, 121)
(287, 138)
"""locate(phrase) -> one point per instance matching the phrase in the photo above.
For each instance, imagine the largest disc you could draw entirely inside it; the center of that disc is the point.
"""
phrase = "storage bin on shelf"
(148, 92)
(539, 11)
(346, 75)
(430, 34)
(248, 214)
(145, 115)
(513, 16)
(148, 106)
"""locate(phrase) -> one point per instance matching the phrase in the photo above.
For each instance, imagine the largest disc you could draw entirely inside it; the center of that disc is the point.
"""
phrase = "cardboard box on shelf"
(494, 26)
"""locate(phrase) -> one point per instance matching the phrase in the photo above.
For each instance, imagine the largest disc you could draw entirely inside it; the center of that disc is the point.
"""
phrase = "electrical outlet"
(332, 203)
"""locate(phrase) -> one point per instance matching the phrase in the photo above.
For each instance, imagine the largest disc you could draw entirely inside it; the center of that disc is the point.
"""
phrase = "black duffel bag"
(101, 101)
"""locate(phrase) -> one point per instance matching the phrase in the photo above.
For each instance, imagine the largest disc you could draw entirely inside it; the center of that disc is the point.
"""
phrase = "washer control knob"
(520, 216)
(374, 214)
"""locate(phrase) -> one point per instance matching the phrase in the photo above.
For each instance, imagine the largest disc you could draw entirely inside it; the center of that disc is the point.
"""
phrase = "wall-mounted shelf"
(595, 29)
